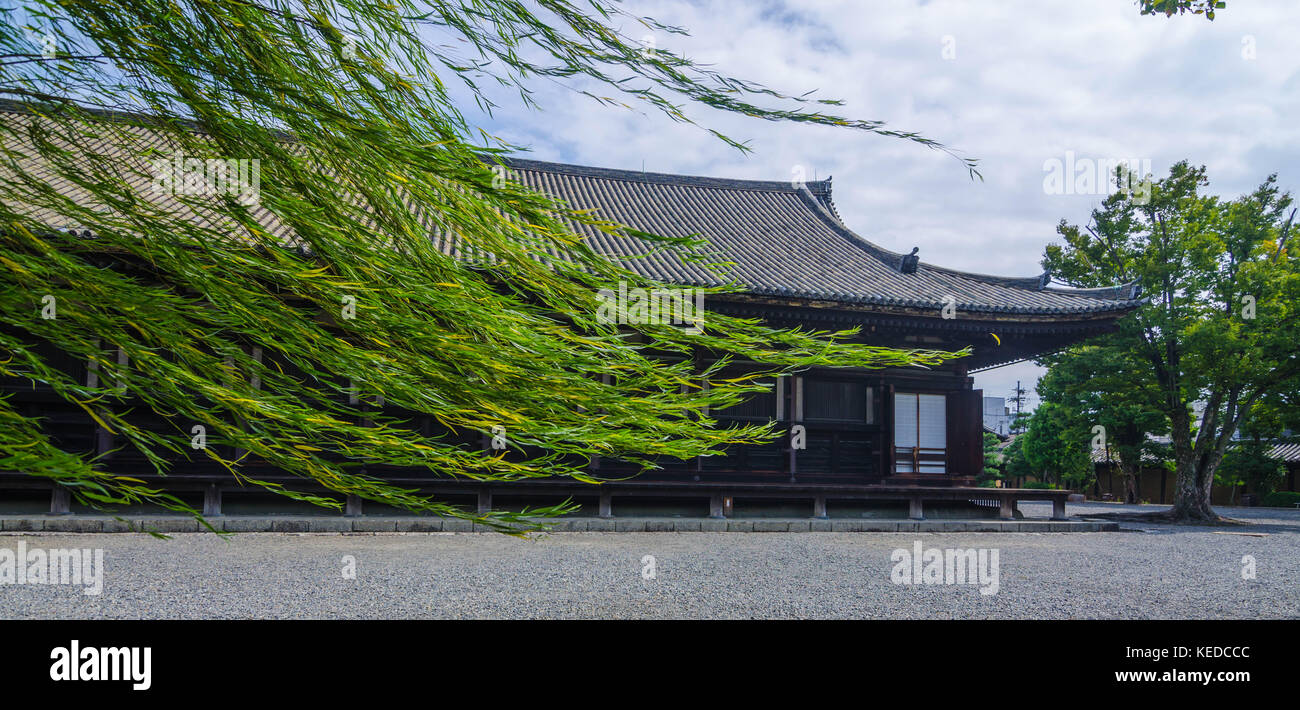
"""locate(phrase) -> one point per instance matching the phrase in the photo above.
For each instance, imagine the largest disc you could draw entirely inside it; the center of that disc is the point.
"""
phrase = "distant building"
(997, 417)
(1108, 483)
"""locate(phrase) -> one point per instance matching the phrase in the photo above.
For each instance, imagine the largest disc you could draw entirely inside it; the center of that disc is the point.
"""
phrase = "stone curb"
(322, 524)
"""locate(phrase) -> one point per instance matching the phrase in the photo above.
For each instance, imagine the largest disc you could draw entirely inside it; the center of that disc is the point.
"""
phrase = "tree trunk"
(1192, 493)
(1130, 486)
(1128, 470)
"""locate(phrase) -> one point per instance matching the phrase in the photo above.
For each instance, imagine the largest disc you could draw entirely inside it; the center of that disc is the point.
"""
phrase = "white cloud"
(1030, 81)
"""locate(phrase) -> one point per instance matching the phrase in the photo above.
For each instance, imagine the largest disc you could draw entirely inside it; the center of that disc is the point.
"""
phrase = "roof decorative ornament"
(910, 262)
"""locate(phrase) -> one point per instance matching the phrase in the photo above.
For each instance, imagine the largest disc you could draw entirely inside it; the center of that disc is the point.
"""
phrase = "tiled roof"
(1001, 437)
(786, 240)
(781, 240)
(1111, 456)
(1289, 453)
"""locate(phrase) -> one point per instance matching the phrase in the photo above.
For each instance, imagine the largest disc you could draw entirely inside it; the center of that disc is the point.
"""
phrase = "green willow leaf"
(472, 297)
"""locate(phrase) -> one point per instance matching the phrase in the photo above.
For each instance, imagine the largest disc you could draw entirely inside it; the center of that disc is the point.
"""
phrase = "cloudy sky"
(1015, 83)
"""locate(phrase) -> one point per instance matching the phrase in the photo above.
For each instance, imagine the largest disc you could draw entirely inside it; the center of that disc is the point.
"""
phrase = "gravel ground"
(1148, 571)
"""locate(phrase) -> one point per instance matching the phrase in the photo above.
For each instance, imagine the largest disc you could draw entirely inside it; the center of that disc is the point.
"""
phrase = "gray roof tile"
(780, 239)
(785, 240)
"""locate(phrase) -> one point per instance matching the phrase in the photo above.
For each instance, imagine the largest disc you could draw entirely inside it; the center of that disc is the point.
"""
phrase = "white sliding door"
(920, 433)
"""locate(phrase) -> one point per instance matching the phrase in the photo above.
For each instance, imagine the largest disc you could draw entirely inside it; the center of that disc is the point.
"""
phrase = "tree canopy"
(1223, 317)
(1104, 384)
(1169, 8)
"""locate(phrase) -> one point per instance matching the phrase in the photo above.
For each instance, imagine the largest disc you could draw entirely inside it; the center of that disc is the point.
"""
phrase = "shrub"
(1280, 499)
(1040, 484)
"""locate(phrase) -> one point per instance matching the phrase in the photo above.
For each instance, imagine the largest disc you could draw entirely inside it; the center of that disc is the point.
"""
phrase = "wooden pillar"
(606, 505)
(60, 501)
(211, 500)
(103, 441)
(819, 507)
(352, 506)
(915, 510)
(1007, 509)
(715, 506)
(1058, 508)
(484, 500)
(103, 438)
(794, 405)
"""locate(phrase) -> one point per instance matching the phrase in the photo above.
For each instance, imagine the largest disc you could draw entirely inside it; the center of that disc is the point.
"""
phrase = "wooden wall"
(847, 418)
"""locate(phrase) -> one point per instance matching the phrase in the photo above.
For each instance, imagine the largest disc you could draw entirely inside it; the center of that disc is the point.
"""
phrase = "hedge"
(1280, 499)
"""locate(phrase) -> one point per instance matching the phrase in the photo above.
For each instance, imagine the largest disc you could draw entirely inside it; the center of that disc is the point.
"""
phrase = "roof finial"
(910, 262)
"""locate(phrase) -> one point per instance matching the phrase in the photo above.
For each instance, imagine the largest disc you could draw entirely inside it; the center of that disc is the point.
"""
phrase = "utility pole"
(1017, 396)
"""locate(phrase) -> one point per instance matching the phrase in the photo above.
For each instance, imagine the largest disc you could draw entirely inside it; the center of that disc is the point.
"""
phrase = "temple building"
(802, 266)
(852, 435)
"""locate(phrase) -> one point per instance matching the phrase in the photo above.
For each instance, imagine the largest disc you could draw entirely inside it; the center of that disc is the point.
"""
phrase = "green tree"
(1248, 466)
(1054, 448)
(1110, 400)
(364, 155)
(1016, 466)
(1223, 314)
(1170, 8)
(1275, 412)
(992, 462)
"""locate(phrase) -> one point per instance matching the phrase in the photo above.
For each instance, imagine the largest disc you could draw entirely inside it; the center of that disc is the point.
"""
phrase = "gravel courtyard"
(1147, 571)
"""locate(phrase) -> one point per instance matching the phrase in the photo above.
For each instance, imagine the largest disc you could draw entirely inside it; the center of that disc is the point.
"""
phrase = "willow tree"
(376, 248)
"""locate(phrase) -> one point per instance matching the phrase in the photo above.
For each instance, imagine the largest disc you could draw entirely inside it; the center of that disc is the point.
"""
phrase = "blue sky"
(1014, 83)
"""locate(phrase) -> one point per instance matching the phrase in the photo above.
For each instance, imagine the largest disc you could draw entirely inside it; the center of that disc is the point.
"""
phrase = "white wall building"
(996, 415)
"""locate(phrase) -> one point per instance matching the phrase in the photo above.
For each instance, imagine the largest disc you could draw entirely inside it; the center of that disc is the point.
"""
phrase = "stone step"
(16, 524)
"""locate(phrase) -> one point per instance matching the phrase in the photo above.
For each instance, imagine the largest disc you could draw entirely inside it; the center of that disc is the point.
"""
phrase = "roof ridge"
(787, 186)
(893, 259)
(131, 118)
(828, 200)
(1121, 292)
